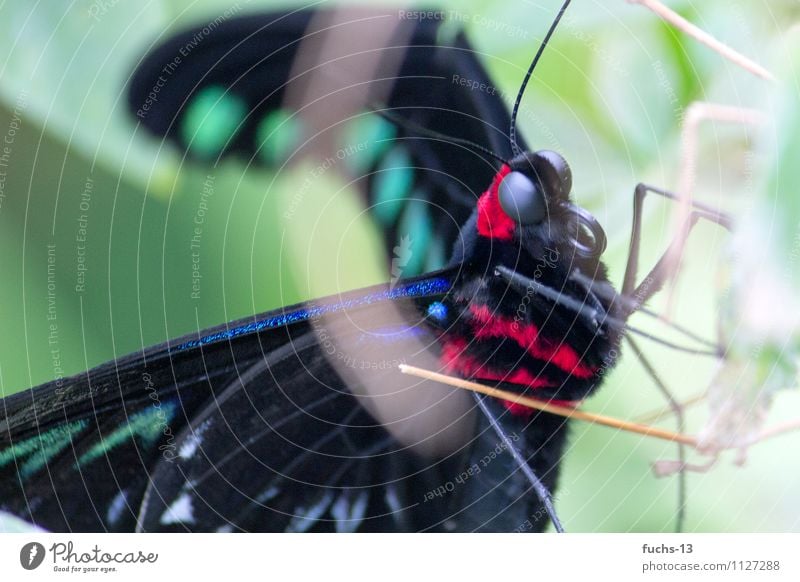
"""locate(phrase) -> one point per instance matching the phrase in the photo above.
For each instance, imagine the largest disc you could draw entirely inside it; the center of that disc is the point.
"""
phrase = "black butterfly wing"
(75, 454)
(286, 447)
(252, 426)
(230, 89)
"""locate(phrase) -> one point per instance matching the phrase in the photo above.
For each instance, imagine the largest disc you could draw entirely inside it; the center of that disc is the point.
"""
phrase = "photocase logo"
(31, 555)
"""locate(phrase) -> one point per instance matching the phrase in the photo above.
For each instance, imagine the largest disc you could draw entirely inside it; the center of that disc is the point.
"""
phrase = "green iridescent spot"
(368, 137)
(278, 135)
(149, 425)
(211, 120)
(436, 256)
(393, 181)
(41, 448)
(416, 225)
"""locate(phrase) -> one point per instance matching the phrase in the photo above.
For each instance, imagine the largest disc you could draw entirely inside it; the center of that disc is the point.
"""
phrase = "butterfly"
(298, 419)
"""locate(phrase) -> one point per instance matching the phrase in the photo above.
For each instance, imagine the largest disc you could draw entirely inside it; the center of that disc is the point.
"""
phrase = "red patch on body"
(455, 360)
(493, 222)
(527, 336)
(518, 409)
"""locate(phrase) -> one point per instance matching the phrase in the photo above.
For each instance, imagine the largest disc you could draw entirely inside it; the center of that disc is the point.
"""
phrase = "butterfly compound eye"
(553, 172)
(521, 199)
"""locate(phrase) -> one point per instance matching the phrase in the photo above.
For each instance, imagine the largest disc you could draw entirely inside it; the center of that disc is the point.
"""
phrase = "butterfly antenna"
(415, 128)
(513, 131)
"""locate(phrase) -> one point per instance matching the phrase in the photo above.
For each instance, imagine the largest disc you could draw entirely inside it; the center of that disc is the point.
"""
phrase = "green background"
(609, 95)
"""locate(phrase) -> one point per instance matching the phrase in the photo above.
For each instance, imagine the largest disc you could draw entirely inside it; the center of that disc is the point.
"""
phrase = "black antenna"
(513, 132)
(415, 128)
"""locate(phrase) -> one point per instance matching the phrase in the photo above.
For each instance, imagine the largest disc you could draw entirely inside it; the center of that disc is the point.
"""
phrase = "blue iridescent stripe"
(390, 334)
(433, 286)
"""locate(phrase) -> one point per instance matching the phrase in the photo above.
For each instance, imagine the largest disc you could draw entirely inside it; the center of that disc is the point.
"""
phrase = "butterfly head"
(528, 206)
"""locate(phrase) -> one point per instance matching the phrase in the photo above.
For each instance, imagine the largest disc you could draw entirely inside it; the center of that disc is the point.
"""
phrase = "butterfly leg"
(689, 210)
(669, 264)
(665, 269)
(680, 418)
(591, 310)
(541, 490)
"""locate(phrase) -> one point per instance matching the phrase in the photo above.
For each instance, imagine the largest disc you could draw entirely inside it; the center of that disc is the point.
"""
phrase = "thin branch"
(777, 430)
(697, 113)
(544, 406)
(662, 413)
(679, 22)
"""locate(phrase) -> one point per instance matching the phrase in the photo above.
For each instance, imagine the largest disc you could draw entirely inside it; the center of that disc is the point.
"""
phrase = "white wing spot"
(267, 494)
(179, 512)
(392, 500)
(193, 441)
(348, 515)
(116, 507)
(304, 518)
